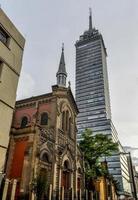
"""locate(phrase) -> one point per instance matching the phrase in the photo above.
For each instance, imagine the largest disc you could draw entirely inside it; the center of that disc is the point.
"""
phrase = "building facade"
(43, 144)
(92, 92)
(11, 52)
(92, 97)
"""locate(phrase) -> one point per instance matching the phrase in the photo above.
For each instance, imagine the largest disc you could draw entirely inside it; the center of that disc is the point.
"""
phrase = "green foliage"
(40, 186)
(94, 147)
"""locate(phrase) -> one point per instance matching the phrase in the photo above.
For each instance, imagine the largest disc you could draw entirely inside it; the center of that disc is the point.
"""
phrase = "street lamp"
(132, 174)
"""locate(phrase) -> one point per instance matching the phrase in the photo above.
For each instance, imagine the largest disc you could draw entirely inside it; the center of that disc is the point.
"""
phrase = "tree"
(94, 148)
(40, 186)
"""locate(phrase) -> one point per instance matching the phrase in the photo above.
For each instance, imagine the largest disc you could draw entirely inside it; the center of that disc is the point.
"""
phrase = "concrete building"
(92, 97)
(11, 52)
(43, 144)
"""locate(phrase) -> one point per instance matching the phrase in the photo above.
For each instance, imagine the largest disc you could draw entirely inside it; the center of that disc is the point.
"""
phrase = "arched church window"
(66, 165)
(66, 175)
(67, 120)
(24, 122)
(45, 157)
(63, 120)
(70, 126)
(44, 119)
(79, 170)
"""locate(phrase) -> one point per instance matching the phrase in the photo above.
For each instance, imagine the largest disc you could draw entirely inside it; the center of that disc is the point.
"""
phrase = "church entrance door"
(66, 180)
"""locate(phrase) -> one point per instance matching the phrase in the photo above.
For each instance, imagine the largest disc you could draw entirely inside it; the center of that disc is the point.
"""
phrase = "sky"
(46, 24)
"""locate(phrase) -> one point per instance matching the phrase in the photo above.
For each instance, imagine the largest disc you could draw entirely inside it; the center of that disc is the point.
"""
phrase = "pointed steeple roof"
(62, 74)
(90, 20)
(62, 68)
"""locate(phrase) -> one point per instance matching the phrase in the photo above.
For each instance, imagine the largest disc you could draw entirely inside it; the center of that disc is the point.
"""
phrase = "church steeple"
(62, 74)
(90, 20)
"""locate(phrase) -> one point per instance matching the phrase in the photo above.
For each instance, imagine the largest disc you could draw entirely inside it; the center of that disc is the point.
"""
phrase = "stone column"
(62, 193)
(54, 181)
(86, 193)
(5, 189)
(60, 175)
(50, 192)
(13, 189)
(72, 193)
(80, 194)
(76, 183)
(72, 188)
(33, 196)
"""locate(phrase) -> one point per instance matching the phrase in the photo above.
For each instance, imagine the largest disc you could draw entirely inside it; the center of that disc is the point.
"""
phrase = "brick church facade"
(43, 144)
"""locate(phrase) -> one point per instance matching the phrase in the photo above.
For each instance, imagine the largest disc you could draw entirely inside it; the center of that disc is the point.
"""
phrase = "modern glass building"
(92, 97)
(92, 93)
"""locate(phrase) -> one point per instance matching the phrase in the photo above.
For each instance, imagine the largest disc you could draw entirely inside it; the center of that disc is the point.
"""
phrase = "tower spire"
(62, 74)
(90, 19)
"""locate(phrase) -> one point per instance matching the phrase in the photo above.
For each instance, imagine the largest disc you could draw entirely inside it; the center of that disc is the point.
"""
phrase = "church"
(44, 159)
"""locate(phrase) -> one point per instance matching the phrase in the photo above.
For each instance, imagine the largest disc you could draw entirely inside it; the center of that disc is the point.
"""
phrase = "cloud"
(26, 86)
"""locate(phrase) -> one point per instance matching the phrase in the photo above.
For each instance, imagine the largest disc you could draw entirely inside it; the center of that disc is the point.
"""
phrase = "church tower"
(62, 74)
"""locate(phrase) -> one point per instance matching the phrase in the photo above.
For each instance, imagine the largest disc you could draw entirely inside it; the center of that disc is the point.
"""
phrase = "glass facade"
(92, 97)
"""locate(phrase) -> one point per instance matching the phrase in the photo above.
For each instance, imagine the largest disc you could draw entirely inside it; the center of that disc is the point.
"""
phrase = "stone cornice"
(34, 98)
(33, 103)
(20, 131)
(29, 104)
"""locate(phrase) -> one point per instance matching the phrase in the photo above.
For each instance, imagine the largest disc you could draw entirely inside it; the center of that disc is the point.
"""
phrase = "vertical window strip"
(67, 120)
(70, 126)
(1, 67)
(44, 119)
(63, 120)
(3, 36)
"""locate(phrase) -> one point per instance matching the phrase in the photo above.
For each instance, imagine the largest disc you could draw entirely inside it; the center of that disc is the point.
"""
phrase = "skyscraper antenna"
(63, 46)
(90, 11)
(90, 19)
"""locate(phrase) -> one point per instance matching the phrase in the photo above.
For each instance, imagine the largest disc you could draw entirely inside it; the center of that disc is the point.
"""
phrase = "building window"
(70, 126)
(67, 120)
(66, 165)
(45, 157)
(63, 120)
(24, 122)
(1, 67)
(3, 36)
(79, 170)
(44, 119)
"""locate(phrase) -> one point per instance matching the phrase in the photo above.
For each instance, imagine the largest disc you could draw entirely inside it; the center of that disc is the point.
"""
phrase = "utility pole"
(132, 176)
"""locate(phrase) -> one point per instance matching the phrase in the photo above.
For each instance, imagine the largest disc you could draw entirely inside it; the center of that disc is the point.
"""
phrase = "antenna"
(63, 46)
(90, 19)
(90, 11)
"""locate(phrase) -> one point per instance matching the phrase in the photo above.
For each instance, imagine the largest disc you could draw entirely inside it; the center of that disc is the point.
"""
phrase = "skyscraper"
(92, 97)
(92, 93)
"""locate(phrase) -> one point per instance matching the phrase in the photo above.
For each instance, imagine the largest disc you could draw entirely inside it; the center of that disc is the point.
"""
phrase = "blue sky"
(47, 23)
